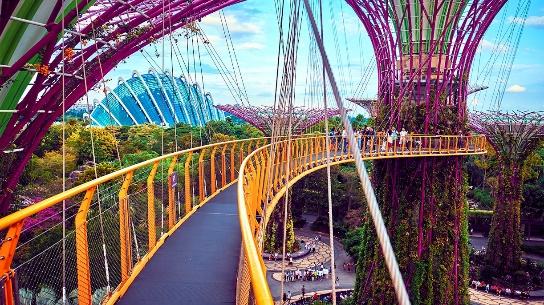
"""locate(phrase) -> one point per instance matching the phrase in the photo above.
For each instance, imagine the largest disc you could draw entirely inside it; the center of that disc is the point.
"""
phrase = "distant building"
(155, 98)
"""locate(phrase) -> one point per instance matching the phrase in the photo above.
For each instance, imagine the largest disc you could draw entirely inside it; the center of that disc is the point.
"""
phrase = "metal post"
(124, 229)
(84, 291)
(171, 194)
(151, 232)
(188, 198)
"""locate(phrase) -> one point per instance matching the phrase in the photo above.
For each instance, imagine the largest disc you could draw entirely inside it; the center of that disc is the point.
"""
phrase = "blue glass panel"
(117, 111)
(199, 104)
(184, 89)
(124, 94)
(154, 87)
(138, 87)
(101, 116)
(174, 97)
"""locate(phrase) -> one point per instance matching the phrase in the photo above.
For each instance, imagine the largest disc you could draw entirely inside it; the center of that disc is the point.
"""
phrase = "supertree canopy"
(66, 48)
(369, 105)
(514, 136)
(266, 117)
(155, 98)
(424, 52)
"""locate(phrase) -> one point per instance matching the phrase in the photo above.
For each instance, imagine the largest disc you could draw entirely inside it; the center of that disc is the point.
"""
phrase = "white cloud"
(491, 46)
(250, 46)
(235, 25)
(516, 89)
(529, 21)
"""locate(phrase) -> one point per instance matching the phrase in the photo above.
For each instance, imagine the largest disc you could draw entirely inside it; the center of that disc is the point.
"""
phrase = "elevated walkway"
(169, 230)
(196, 264)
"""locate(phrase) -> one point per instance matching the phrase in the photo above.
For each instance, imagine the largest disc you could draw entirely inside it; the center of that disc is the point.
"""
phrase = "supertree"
(513, 136)
(369, 105)
(424, 51)
(266, 117)
(68, 47)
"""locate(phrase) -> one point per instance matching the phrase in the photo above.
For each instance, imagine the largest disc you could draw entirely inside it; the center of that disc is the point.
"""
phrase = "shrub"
(487, 273)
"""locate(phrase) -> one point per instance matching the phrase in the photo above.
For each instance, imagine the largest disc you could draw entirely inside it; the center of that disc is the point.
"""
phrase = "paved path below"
(481, 298)
(345, 279)
(198, 263)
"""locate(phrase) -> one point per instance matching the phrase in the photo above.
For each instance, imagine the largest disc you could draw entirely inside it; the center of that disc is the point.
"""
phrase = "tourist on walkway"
(332, 139)
(359, 136)
(403, 134)
(389, 139)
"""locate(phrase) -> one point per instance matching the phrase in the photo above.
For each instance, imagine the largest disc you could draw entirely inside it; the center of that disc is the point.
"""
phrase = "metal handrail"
(29, 211)
(311, 159)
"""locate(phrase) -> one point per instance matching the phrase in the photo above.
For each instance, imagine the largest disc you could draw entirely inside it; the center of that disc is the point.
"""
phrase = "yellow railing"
(268, 172)
(114, 225)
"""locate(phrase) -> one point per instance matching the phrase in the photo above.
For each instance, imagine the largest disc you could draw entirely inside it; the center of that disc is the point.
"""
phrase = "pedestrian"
(289, 295)
(332, 140)
(303, 291)
(403, 134)
(389, 139)
(359, 135)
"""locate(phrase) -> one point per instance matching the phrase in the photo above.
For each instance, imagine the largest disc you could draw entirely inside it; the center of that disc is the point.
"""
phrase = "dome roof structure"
(155, 98)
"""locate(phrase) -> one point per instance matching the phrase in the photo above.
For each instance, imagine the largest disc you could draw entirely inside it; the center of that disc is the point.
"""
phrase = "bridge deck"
(198, 263)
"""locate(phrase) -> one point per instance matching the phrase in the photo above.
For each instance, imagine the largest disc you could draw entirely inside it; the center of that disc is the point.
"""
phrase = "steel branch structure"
(513, 135)
(263, 117)
(424, 50)
(98, 35)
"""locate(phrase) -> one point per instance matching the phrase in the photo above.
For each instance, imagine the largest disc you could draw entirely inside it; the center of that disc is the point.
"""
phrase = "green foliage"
(480, 213)
(102, 169)
(49, 167)
(482, 196)
(104, 140)
(353, 240)
(135, 158)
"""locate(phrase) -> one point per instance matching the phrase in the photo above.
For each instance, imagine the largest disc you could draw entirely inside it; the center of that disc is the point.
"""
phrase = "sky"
(254, 34)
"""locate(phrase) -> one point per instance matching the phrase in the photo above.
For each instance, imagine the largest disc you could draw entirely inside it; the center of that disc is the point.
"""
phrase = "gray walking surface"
(197, 265)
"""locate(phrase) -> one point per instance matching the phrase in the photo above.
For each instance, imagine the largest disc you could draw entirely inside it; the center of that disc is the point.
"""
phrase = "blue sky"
(254, 34)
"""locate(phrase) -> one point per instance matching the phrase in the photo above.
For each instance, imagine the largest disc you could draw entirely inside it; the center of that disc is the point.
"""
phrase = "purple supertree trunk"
(424, 50)
(504, 245)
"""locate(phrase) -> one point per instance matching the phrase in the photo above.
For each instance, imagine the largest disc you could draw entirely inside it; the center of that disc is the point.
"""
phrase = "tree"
(104, 140)
(47, 171)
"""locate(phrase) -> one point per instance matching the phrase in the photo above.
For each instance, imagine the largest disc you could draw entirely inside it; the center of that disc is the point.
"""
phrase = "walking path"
(481, 298)
(198, 263)
(346, 280)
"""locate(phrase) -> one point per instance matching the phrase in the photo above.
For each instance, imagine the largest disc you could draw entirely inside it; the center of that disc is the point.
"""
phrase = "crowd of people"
(366, 137)
(498, 290)
(314, 273)
(314, 297)
(391, 140)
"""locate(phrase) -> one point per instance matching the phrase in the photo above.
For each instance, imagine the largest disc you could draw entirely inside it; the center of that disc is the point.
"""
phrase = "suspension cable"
(374, 209)
(63, 164)
(329, 187)
(99, 201)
